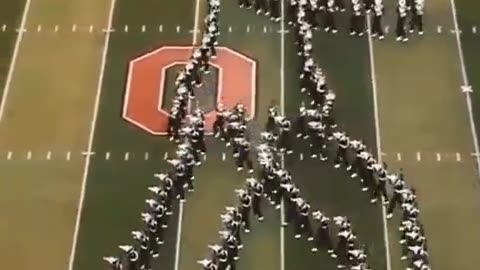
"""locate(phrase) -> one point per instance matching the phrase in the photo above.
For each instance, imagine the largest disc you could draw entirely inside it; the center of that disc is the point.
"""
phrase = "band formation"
(314, 125)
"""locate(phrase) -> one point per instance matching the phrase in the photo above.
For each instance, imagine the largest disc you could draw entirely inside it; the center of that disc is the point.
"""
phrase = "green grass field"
(65, 146)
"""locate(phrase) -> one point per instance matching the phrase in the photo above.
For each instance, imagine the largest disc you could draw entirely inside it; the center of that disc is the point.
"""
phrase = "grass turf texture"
(49, 108)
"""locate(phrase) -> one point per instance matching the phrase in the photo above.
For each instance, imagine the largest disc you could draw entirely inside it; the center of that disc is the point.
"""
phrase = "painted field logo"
(146, 85)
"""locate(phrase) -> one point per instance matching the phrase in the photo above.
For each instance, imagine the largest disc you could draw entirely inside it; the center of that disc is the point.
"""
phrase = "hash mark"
(301, 156)
(144, 28)
(29, 155)
(146, 155)
(419, 156)
(125, 28)
(107, 155)
(178, 28)
(69, 154)
(127, 155)
(439, 29)
(459, 157)
(4, 27)
(264, 29)
(160, 28)
(39, 28)
(223, 156)
(399, 156)
(439, 157)
(248, 28)
(165, 156)
(9, 155)
(85, 153)
(453, 31)
(49, 155)
(474, 29)
(90, 29)
(56, 28)
(387, 29)
(74, 28)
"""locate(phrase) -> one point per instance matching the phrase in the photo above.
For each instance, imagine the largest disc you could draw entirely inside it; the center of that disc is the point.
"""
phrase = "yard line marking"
(178, 28)
(9, 155)
(39, 28)
(13, 61)
(146, 156)
(90, 139)
(466, 83)
(399, 156)
(74, 28)
(91, 27)
(29, 155)
(69, 155)
(56, 28)
(419, 156)
(107, 155)
(125, 28)
(282, 108)
(439, 157)
(180, 212)
(439, 29)
(127, 156)
(377, 134)
(160, 28)
(459, 157)
(144, 28)
(49, 155)
(179, 234)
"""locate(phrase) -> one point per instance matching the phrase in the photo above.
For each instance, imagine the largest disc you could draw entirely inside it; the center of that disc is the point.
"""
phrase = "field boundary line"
(13, 61)
(91, 136)
(466, 84)
(377, 134)
(178, 244)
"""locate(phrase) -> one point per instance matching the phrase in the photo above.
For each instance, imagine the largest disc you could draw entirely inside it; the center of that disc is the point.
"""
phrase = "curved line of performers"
(189, 151)
(317, 124)
(190, 77)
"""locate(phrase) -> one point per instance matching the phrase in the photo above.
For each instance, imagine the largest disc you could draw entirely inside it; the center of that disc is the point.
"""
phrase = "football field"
(75, 169)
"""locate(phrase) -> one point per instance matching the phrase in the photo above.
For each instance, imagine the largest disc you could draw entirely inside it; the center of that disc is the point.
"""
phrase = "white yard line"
(90, 140)
(13, 61)
(377, 135)
(282, 109)
(181, 203)
(466, 86)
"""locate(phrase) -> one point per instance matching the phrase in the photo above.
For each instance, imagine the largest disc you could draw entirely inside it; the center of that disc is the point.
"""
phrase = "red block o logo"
(145, 87)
